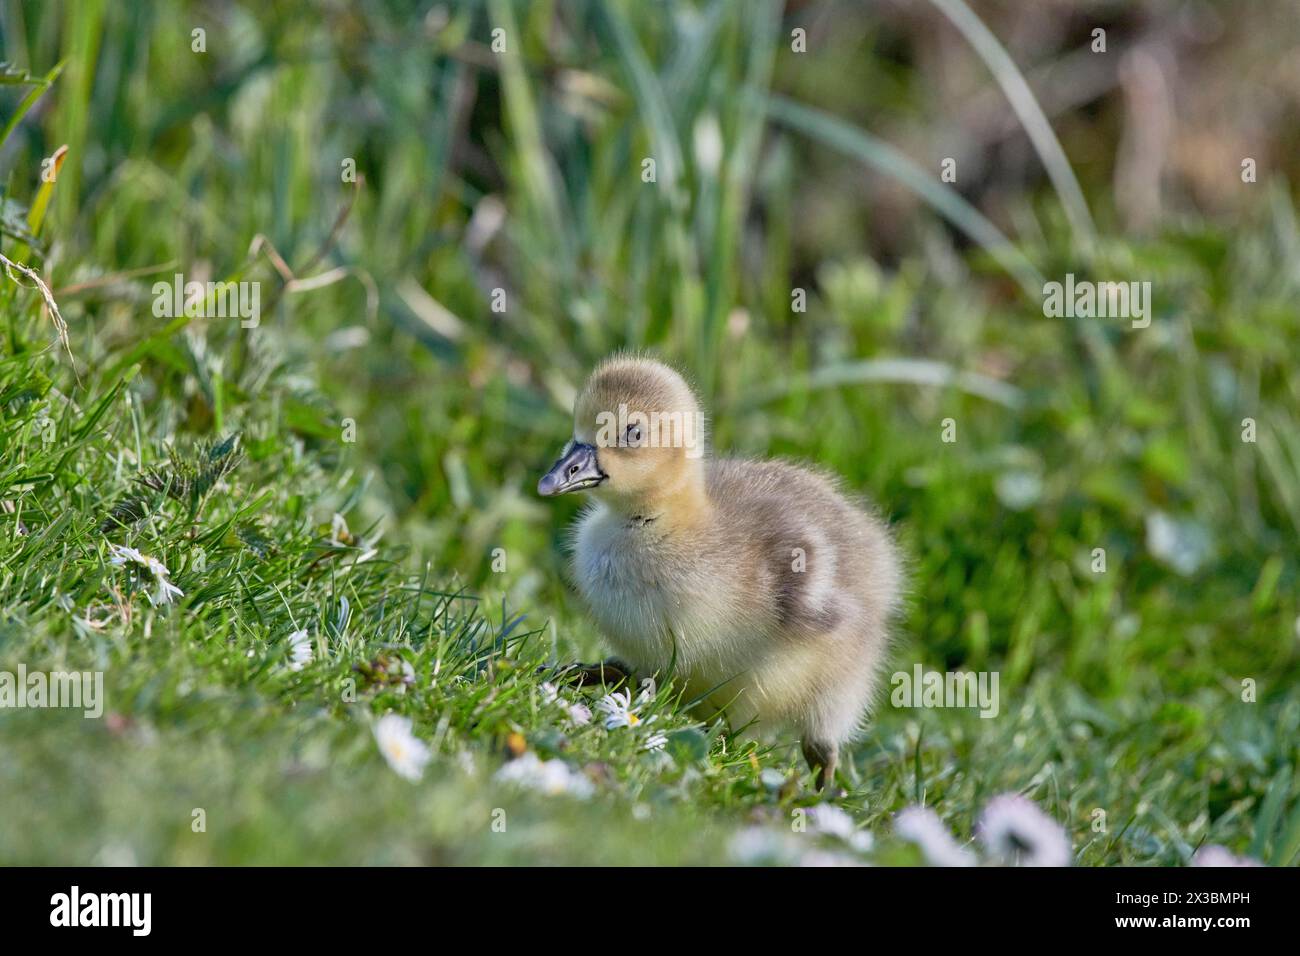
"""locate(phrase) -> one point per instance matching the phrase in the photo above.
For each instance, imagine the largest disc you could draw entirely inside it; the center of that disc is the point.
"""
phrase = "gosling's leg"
(823, 758)
(609, 672)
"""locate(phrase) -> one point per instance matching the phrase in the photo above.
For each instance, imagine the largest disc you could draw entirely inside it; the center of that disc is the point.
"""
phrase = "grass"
(224, 452)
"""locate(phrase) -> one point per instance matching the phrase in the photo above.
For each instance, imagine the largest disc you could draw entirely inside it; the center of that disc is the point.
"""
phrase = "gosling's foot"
(610, 673)
(823, 758)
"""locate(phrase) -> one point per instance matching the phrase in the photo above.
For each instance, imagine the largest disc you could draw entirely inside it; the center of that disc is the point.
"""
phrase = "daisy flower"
(552, 777)
(579, 714)
(656, 742)
(549, 694)
(619, 710)
(1016, 831)
(406, 753)
(825, 858)
(300, 650)
(465, 760)
(164, 591)
(758, 845)
(340, 536)
(122, 556)
(833, 821)
(922, 826)
(1215, 855)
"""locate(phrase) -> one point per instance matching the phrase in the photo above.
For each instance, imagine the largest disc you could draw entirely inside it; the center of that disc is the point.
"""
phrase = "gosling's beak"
(577, 469)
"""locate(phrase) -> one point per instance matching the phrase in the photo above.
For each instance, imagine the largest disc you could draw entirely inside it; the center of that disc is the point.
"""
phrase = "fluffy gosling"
(757, 584)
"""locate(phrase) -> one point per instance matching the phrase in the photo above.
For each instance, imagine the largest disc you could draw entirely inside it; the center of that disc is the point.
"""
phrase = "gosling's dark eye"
(633, 435)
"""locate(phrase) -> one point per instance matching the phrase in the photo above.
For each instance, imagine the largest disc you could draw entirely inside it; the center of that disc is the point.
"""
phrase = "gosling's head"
(638, 437)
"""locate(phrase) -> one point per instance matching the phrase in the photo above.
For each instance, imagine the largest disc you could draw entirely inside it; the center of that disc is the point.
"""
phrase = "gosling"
(758, 585)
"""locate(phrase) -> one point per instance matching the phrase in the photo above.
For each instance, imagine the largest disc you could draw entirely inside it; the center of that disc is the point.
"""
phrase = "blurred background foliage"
(522, 172)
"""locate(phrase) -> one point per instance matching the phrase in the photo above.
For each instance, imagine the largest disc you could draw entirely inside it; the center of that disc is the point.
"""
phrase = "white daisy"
(465, 760)
(164, 591)
(619, 710)
(122, 555)
(831, 820)
(922, 826)
(758, 845)
(393, 673)
(1017, 832)
(552, 777)
(1215, 855)
(340, 536)
(300, 650)
(406, 753)
(579, 714)
(656, 742)
(826, 858)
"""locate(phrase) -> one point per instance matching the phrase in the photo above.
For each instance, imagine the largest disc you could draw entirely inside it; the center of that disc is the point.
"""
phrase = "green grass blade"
(1269, 812)
(1027, 109)
(524, 123)
(30, 100)
(649, 93)
(878, 154)
(1288, 844)
(898, 371)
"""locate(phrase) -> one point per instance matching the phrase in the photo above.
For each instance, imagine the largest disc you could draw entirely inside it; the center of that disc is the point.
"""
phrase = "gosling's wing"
(798, 537)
